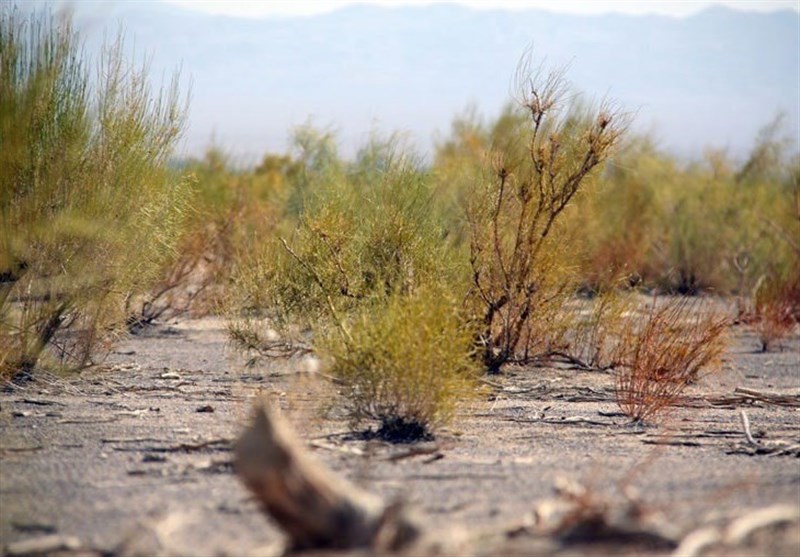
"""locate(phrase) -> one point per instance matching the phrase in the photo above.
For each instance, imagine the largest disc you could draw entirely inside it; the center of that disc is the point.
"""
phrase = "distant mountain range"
(710, 79)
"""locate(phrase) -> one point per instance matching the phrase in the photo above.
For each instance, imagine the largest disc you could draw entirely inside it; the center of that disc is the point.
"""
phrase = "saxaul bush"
(84, 177)
(365, 280)
(776, 298)
(407, 365)
(709, 224)
(232, 211)
(520, 272)
(363, 234)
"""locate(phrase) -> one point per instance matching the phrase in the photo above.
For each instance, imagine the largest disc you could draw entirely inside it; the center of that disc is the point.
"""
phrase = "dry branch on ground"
(313, 508)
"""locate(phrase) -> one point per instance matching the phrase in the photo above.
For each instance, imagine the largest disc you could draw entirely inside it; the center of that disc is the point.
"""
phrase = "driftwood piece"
(737, 531)
(791, 399)
(743, 396)
(313, 508)
(44, 545)
(578, 514)
(776, 447)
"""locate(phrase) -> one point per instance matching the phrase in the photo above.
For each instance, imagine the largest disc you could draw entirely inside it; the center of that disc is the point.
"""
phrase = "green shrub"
(90, 210)
(406, 363)
(620, 220)
(232, 211)
(366, 277)
(696, 226)
(364, 235)
(777, 307)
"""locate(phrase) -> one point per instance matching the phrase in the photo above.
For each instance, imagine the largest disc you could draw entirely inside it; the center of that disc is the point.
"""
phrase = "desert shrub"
(703, 246)
(660, 354)
(363, 235)
(84, 174)
(232, 210)
(620, 219)
(689, 227)
(317, 159)
(353, 278)
(776, 295)
(518, 264)
(777, 308)
(406, 363)
(465, 154)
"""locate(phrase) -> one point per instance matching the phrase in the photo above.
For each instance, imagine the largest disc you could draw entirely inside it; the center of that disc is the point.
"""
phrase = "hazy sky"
(254, 82)
(678, 8)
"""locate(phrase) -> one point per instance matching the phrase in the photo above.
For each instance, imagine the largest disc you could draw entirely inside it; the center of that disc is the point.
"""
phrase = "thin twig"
(746, 427)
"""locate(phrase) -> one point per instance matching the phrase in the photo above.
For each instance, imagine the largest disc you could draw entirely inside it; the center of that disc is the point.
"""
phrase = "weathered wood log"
(313, 508)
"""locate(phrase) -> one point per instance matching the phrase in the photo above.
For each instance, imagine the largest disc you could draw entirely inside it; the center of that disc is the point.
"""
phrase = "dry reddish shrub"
(515, 214)
(661, 355)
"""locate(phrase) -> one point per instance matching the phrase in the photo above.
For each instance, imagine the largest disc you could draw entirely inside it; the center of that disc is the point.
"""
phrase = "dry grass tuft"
(663, 354)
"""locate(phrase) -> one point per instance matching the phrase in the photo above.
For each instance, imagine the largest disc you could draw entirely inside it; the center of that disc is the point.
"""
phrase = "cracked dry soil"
(134, 456)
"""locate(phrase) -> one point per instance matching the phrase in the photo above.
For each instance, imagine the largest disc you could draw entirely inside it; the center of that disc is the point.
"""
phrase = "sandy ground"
(134, 456)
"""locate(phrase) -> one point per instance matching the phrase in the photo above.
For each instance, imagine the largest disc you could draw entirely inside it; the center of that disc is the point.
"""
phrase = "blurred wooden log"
(315, 509)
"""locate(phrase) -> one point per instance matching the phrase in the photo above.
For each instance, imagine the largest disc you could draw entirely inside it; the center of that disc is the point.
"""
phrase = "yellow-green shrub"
(406, 363)
(365, 277)
(232, 212)
(691, 227)
(89, 210)
(363, 236)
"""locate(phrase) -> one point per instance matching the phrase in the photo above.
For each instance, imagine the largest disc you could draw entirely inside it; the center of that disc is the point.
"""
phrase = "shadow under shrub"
(89, 210)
